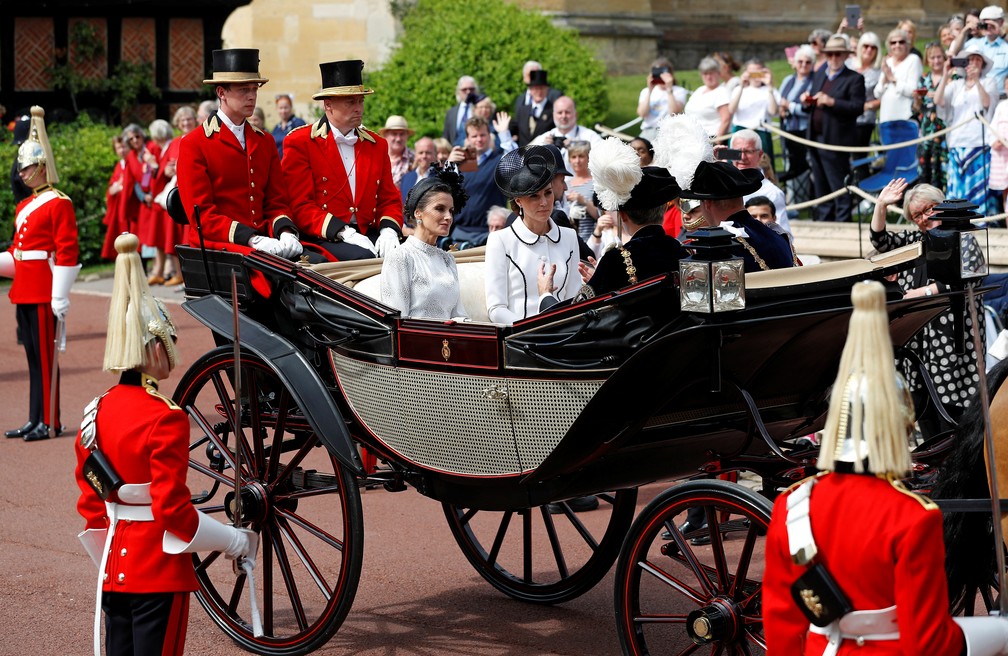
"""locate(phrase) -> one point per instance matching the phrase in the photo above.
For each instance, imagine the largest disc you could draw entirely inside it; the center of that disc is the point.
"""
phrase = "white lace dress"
(421, 281)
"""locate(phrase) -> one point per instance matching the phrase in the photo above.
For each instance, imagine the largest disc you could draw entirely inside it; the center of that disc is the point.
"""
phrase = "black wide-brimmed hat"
(721, 180)
(655, 189)
(537, 77)
(558, 162)
(342, 78)
(525, 171)
(236, 66)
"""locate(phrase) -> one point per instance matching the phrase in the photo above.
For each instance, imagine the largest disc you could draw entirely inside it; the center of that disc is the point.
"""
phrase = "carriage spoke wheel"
(698, 592)
(532, 555)
(301, 501)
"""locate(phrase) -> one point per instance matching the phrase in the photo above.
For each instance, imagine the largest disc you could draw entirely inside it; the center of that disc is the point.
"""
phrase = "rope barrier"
(990, 127)
(867, 149)
(858, 191)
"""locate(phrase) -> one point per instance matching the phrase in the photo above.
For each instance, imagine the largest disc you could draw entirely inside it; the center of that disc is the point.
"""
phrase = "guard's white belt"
(30, 255)
(859, 626)
(133, 513)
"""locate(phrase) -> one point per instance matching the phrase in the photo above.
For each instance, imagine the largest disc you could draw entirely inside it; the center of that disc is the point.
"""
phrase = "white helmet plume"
(680, 145)
(615, 168)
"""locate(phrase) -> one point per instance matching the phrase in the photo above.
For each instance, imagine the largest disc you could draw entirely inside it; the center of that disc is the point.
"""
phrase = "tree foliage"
(490, 40)
(84, 159)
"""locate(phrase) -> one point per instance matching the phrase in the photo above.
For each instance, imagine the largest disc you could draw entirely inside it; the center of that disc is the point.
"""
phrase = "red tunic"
(241, 193)
(146, 439)
(113, 218)
(129, 204)
(884, 547)
(319, 193)
(50, 226)
(162, 231)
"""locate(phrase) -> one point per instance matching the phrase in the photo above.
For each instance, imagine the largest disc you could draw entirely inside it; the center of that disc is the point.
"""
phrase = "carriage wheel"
(532, 555)
(302, 502)
(676, 595)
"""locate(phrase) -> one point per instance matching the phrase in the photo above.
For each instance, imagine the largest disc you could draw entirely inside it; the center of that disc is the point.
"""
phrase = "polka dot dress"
(955, 376)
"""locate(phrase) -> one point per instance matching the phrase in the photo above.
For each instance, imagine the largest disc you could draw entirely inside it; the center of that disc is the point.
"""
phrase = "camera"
(657, 71)
(730, 154)
(470, 152)
(959, 62)
(560, 141)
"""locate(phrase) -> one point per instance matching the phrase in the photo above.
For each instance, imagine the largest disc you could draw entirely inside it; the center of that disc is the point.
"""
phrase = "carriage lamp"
(712, 280)
(957, 250)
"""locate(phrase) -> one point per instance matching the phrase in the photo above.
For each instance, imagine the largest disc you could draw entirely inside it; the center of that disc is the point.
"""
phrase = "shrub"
(84, 159)
(490, 40)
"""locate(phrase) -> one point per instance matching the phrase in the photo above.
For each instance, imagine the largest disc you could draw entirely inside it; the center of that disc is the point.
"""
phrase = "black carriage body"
(611, 393)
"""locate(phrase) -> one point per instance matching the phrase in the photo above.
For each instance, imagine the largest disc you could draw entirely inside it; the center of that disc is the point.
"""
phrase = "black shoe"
(20, 432)
(686, 528)
(577, 504)
(40, 432)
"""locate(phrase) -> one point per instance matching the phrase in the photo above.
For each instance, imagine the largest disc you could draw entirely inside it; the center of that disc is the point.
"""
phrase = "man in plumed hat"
(230, 169)
(43, 263)
(719, 187)
(344, 199)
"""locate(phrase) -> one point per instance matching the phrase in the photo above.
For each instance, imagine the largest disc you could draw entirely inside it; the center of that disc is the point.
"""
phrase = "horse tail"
(969, 544)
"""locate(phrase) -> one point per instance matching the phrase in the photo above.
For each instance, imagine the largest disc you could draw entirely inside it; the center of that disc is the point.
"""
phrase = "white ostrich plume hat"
(616, 170)
(680, 145)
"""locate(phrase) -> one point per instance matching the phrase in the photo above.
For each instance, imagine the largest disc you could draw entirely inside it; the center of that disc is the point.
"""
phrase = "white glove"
(60, 307)
(387, 242)
(292, 247)
(267, 245)
(244, 543)
(578, 212)
(351, 236)
(985, 636)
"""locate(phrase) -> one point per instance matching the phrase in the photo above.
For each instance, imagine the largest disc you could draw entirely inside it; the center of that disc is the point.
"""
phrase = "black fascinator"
(441, 178)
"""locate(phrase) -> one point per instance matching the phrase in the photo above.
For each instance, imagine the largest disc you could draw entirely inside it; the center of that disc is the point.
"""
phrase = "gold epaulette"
(366, 134)
(60, 194)
(919, 498)
(151, 385)
(301, 127)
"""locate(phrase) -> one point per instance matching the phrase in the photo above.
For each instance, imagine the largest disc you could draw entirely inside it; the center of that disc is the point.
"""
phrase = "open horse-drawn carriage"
(497, 423)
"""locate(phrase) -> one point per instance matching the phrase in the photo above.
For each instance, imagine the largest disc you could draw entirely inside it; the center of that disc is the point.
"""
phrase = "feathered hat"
(870, 416)
(616, 170)
(680, 145)
(136, 318)
(36, 148)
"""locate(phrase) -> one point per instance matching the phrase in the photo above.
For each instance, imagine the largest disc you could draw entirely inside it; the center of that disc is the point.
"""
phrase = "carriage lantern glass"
(957, 249)
(713, 278)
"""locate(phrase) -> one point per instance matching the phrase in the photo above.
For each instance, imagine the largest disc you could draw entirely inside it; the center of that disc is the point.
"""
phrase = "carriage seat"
(365, 277)
(829, 271)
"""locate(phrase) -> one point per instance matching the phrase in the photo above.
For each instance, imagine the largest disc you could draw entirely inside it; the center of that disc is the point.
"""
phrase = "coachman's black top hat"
(236, 66)
(342, 78)
(721, 180)
(537, 77)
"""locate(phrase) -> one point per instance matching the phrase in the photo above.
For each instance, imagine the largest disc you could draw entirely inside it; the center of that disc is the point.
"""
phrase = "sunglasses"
(897, 43)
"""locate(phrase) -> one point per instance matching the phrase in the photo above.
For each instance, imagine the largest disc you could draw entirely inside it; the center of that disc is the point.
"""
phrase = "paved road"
(417, 595)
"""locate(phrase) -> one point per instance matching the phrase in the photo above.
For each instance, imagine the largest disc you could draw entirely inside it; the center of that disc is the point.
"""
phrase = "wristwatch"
(927, 290)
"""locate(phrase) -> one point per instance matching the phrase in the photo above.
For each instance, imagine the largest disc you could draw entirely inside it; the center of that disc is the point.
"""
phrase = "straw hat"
(396, 122)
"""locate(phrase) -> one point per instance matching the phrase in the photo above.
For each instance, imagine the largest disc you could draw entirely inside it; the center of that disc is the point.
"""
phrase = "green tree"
(490, 40)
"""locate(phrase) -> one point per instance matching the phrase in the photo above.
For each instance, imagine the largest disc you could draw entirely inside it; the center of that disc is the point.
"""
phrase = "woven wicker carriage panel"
(459, 423)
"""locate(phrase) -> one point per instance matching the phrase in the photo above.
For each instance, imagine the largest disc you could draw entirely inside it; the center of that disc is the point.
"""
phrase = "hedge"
(490, 40)
(84, 159)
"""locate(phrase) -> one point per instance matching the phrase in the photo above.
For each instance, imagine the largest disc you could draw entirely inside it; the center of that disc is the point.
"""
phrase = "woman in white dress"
(533, 245)
(419, 279)
(709, 103)
(901, 71)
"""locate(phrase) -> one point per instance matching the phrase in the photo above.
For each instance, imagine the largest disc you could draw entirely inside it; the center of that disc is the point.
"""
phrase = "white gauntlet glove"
(292, 247)
(63, 279)
(267, 245)
(387, 242)
(60, 306)
(351, 236)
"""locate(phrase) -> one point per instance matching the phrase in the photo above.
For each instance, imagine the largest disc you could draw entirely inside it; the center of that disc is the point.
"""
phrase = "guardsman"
(339, 174)
(230, 169)
(855, 563)
(43, 263)
(132, 459)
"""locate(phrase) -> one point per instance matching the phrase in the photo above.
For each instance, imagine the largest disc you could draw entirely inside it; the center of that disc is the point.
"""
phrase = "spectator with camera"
(566, 129)
(477, 160)
(660, 98)
(901, 71)
(754, 101)
(709, 103)
(983, 34)
(457, 115)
